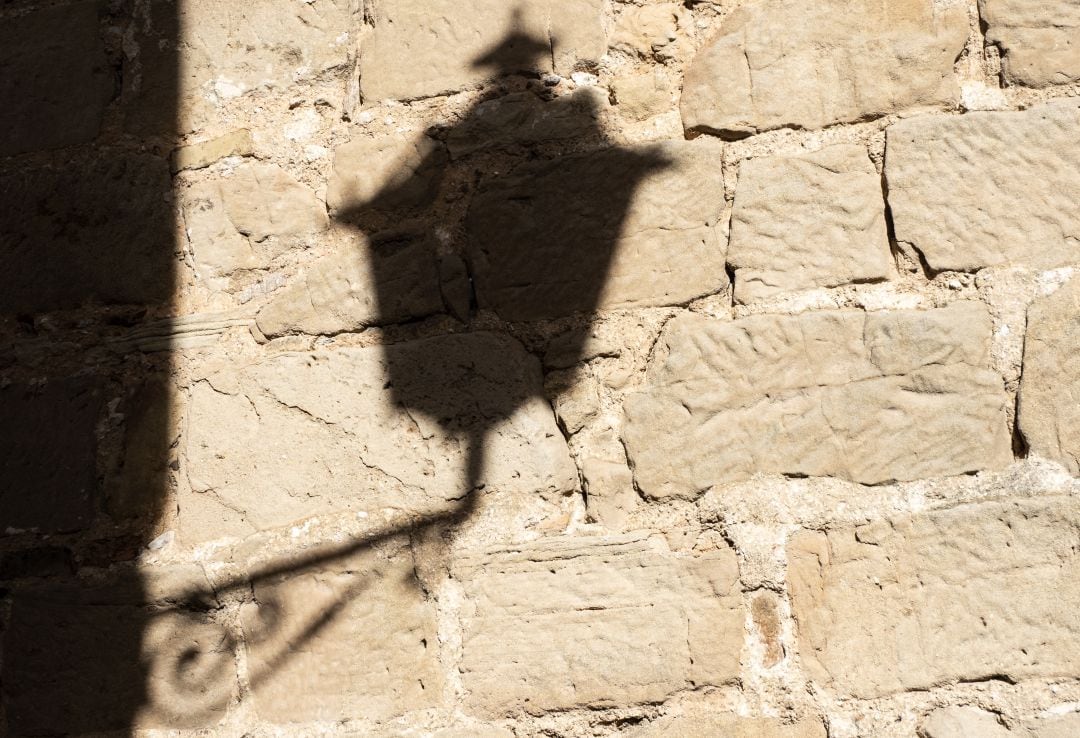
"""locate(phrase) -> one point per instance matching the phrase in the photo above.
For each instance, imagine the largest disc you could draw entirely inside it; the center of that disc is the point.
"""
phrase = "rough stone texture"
(119, 252)
(568, 622)
(646, 29)
(641, 96)
(384, 174)
(298, 435)
(718, 725)
(302, 629)
(357, 287)
(200, 155)
(1039, 39)
(54, 79)
(807, 65)
(974, 592)
(1049, 404)
(816, 220)
(870, 397)
(418, 49)
(619, 227)
(961, 722)
(988, 189)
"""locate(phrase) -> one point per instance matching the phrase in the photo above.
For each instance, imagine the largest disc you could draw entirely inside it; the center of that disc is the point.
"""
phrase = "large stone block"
(716, 724)
(1038, 38)
(980, 591)
(870, 397)
(1049, 406)
(620, 227)
(97, 230)
(353, 637)
(297, 435)
(807, 65)
(420, 48)
(54, 78)
(815, 220)
(564, 622)
(986, 189)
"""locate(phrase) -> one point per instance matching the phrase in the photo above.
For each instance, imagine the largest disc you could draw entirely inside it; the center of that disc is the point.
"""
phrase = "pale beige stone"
(814, 220)
(217, 247)
(357, 286)
(632, 226)
(779, 64)
(610, 495)
(974, 592)
(641, 96)
(702, 724)
(301, 434)
(566, 622)
(205, 153)
(647, 28)
(986, 189)
(1058, 726)
(964, 722)
(869, 397)
(384, 173)
(1039, 39)
(353, 637)
(420, 48)
(1049, 402)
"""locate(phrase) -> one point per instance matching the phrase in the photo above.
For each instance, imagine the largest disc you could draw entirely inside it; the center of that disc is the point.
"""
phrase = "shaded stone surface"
(988, 189)
(297, 435)
(420, 48)
(622, 227)
(870, 397)
(54, 78)
(778, 64)
(384, 174)
(566, 622)
(351, 638)
(1040, 39)
(1049, 402)
(90, 230)
(974, 592)
(815, 220)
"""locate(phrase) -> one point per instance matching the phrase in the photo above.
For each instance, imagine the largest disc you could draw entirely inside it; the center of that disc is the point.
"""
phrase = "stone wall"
(552, 368)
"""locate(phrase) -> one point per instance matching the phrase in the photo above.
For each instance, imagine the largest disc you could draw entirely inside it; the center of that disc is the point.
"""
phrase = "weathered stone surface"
(90, 230)
(985, 189)
(1038, 38)
(302, 434)
(229, 50)
(974, 592)
(870, 397)
(54, 78)
(565, 622)
(643, 30)
(702, 724)
(384, 174)
(610, 491)
(807, 65)
(205, 153)
(358, 286)
(419, 49)
(963, 722)
(349, 638)
(246, 220)
(641, 96)
(523, 119)
(82, 657)
(48, 469)
(619, 227)
(1049, 405)
(816, 220)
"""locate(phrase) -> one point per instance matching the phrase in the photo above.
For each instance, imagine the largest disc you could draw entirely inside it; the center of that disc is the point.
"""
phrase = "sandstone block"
(420, 48)
(121, 251)
(610, 487)
(205, 153)
(1049, 405)
(641, 96)
(358, 286)
(562, 623)
(644, 29)
(816, 220)
(986, 189)
(1038, 39)
(621, 227)
(709, 724)
(384, 174)
(54, 78)
(961, 722)
(349, 638)
(969, 593)
(808, 65)
(297, 435)
(869, 397)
